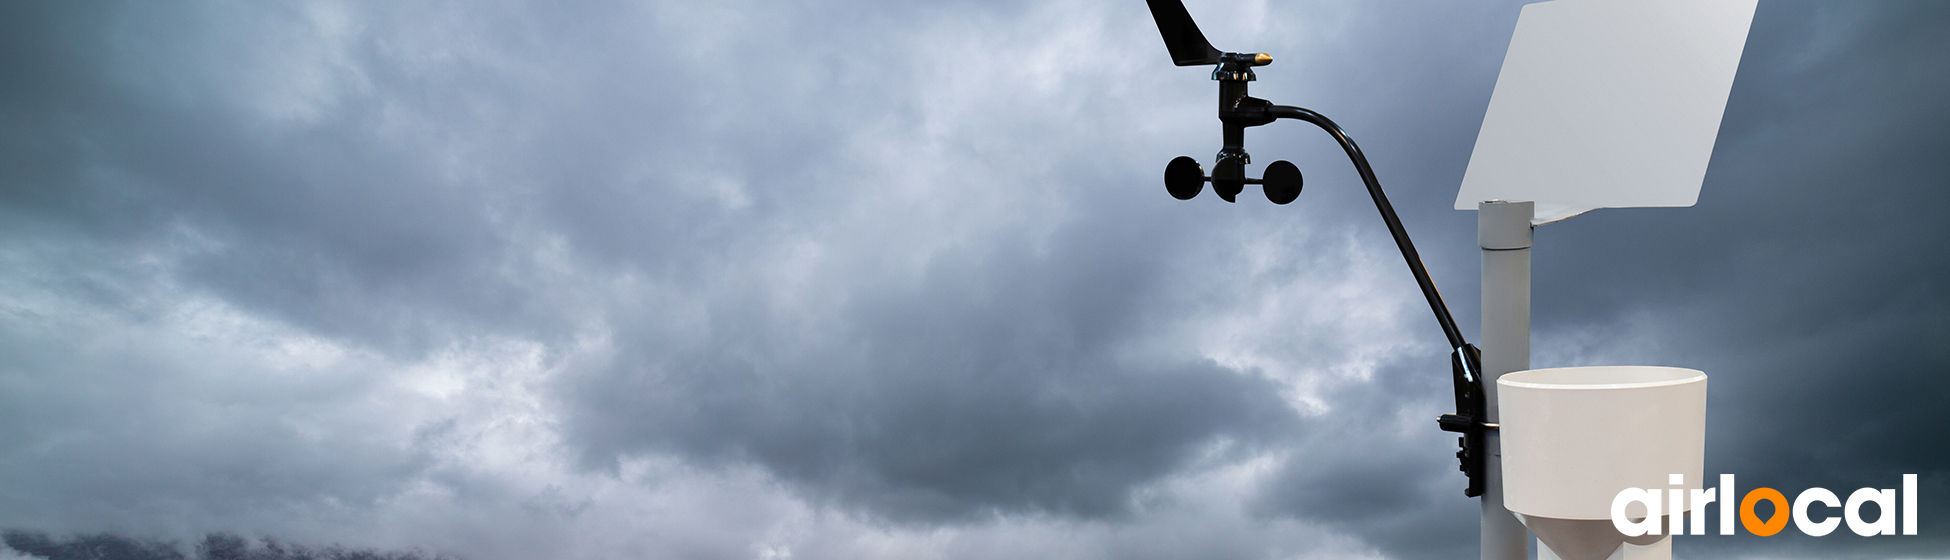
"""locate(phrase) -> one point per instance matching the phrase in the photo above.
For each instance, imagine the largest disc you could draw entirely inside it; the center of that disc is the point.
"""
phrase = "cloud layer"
(888, 280)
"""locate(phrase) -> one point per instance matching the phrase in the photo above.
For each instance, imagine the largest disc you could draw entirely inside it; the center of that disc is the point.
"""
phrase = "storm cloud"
(758, 279)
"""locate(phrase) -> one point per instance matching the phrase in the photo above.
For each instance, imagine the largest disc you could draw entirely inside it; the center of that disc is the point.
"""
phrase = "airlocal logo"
(1884, 524)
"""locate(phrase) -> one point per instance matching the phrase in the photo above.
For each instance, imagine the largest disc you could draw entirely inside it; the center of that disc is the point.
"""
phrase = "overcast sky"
(880, 279)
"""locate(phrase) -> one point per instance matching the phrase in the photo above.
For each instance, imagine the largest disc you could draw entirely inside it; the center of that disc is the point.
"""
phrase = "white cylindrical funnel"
(1573, 438)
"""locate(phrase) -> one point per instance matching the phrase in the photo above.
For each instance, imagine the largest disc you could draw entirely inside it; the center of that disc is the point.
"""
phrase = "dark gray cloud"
(1365, 469)
(854, 280)
(993, 383)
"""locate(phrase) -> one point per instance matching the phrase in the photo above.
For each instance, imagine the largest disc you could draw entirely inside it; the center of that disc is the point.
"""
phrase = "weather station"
(1599, 104)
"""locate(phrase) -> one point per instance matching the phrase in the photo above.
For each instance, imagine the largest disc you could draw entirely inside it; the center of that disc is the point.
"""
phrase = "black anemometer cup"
(1282, 182)
(1184, 178)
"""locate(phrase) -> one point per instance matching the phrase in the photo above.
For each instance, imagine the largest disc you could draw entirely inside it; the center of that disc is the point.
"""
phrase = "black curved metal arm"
(1387, 215)
(1465, 361)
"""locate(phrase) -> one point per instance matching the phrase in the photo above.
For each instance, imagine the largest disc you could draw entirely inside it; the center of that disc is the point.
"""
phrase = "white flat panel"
(1607, 104)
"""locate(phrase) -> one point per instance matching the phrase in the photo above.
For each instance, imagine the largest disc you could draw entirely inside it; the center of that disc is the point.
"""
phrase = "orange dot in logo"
(1774, 522)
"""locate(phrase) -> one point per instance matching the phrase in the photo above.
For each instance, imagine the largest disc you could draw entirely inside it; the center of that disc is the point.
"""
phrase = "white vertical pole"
(1661, 550)
(1503, 231)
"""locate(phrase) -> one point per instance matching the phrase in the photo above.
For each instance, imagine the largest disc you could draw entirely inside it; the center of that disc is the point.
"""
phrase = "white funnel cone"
(1573, 438)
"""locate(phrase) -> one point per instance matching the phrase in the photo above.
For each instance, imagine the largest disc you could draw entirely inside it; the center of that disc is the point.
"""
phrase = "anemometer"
(1184, 178)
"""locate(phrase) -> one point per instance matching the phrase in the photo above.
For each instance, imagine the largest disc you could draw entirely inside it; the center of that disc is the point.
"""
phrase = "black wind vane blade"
(1188, 46)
